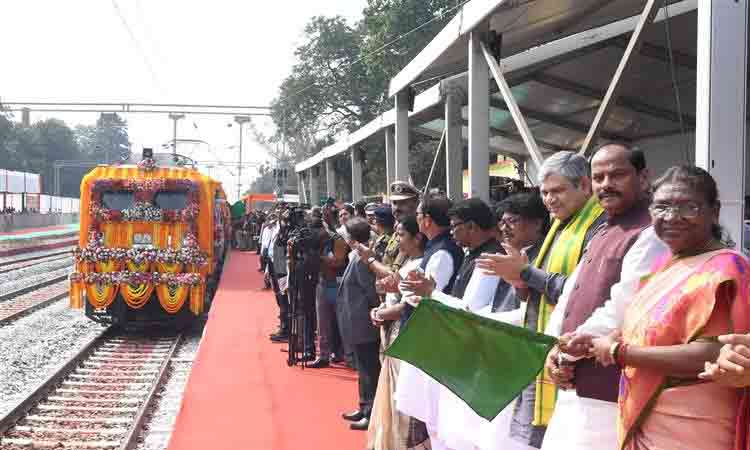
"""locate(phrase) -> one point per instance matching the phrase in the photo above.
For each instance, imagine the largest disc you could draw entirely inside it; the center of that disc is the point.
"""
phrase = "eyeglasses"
(684, 210)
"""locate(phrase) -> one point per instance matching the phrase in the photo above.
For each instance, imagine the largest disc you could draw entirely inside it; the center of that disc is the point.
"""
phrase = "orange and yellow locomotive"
(152, 242)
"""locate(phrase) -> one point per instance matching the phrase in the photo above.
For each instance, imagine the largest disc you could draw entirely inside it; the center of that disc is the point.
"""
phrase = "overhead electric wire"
(380, 49)
(675, 84)
(147, 29)
(138, 46)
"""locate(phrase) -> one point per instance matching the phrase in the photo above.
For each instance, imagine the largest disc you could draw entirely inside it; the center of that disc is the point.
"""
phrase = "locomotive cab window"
(118, 200)
(170, 200)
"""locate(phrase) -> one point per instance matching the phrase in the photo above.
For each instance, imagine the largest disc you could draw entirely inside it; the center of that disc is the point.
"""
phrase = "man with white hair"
(565, 183)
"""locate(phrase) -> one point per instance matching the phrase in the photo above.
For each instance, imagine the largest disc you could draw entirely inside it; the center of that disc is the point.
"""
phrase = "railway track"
(5, 268)
(32, 257)
(97, 400)
(31, 301)
(56, 278)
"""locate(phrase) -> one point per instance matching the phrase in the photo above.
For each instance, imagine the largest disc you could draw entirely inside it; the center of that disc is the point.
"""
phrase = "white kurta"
(416, 393)
(456, 421)
(583, 423)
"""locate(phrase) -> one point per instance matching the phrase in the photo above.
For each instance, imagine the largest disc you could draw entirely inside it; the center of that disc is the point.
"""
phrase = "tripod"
(303, 278)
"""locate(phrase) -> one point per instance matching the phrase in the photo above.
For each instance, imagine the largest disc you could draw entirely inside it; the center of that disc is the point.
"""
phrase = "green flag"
(484, 362)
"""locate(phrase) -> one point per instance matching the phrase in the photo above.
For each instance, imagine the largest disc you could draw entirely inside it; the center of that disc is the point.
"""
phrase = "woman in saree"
(389, 429)
(696, 293)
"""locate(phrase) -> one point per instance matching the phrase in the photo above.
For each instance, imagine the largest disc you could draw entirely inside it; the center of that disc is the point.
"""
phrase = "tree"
(107, 141)
(341, 78)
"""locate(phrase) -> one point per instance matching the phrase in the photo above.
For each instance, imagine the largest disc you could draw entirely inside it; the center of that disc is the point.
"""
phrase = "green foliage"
(35, 148)
(340, 83)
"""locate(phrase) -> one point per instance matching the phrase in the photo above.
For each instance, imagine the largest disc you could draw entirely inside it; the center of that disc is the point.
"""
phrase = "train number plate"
(142, 240)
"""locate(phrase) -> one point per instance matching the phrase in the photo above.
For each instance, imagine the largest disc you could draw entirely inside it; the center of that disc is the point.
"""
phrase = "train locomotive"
(153, 240)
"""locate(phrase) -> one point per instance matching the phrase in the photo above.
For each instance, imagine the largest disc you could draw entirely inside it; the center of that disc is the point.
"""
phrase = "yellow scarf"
(564, 258)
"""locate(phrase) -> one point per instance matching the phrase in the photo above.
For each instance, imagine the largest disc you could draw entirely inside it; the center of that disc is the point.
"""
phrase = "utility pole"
(241, 120)
(175, 118)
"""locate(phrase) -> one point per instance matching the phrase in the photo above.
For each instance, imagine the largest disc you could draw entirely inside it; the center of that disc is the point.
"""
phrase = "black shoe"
(362, 424)
(319, 363)
(354, 416)
(280, 337)
(307, 357)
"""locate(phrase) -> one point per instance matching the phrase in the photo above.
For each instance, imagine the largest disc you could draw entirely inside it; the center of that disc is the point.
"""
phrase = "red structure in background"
(258, 201)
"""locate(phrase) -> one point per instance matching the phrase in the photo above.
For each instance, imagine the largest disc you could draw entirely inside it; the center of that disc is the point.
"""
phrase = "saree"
(683, 300)
(389, 429)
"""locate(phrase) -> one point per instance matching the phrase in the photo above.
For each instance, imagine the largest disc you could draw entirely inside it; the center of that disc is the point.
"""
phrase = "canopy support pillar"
(390, 158)
(356, 174)
(314, 186)
(721, 105)
(402, 136)
(479, 116)
(454, 98)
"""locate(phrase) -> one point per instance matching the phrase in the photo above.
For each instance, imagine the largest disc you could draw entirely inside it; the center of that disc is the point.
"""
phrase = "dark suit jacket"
(355, 297)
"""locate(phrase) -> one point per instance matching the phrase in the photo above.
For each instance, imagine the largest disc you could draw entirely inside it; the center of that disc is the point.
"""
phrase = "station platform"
(30, 233)
(241, 395)
(38, 239)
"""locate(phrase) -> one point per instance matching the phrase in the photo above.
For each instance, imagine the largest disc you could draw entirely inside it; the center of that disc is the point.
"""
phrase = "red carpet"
(242, 396)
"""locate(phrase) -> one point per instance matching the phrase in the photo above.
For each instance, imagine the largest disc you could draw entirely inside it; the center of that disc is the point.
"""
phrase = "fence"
(41, 203)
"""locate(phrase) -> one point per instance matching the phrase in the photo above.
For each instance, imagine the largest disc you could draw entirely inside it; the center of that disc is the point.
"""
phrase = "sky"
(219, 52)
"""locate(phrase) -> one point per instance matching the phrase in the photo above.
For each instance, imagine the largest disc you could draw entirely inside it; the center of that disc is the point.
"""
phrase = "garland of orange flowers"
(136, 295)
(171, 297)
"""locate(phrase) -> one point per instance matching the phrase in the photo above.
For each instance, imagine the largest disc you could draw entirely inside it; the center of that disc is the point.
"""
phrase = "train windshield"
(118, 200)
(170, 200)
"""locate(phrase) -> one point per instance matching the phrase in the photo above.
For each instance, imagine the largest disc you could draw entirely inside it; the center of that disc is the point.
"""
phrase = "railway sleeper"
(100, 394)
(93, 377)
(35, 444)
(79, 420)
(63, 433)
(109, 431)
(92, 409)
(134, 366)
(129, 401)
(111, 372)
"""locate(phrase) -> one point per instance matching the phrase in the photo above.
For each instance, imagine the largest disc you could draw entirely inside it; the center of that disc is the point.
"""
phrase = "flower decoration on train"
(142, 212)
(137, 278)
(143, 207)
(95, 251)
(147, 164)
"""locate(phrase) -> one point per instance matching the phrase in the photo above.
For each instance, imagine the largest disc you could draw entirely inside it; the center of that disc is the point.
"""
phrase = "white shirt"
(440, 267)
(265, 237)
(609, 317)
(479, 293)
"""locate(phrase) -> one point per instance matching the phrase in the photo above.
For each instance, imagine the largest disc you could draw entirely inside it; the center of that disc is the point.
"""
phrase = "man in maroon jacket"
(622, 248)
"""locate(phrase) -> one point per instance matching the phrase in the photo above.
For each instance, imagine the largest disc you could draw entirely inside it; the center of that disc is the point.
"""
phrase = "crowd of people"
(636, 279)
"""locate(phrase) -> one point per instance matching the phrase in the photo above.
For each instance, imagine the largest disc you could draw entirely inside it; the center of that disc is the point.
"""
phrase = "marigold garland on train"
(154, 236)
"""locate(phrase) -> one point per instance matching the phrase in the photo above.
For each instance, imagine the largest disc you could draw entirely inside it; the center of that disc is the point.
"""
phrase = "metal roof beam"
(660, 53)
(558, 121)
(626, 102)
(607, 105)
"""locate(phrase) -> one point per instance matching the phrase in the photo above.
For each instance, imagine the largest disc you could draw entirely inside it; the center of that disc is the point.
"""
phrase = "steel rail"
(26, 290)
(131, 438)
(45, 387)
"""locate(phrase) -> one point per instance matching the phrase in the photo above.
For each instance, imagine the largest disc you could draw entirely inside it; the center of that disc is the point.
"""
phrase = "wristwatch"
(370, 260)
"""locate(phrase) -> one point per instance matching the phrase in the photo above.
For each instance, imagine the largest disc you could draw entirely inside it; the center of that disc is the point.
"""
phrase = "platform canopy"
(559, 57)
